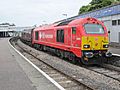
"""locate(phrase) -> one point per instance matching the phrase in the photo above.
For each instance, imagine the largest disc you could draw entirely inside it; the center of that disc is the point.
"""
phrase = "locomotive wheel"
(85, 61)
(44, 48)
(40, 48)
(74, 61)
(72, 58)
(61, 54)
(92, 61)
(57, 53)
(34, 46)
(78, 61)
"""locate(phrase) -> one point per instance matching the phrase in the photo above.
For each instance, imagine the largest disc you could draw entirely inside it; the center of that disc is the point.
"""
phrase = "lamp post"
(44, 22)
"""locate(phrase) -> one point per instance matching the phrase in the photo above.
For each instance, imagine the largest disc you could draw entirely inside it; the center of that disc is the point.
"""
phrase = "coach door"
(60, 36)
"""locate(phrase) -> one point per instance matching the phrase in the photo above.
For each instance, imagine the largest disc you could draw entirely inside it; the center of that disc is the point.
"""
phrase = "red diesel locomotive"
(84, 39)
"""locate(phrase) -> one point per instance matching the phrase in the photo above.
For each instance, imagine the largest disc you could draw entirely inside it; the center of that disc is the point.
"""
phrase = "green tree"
(83, 9)
(96, 4)
(106, 3)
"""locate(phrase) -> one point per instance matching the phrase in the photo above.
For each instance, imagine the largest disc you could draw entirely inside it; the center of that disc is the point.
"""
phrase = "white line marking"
(116, 54)
(43, 73)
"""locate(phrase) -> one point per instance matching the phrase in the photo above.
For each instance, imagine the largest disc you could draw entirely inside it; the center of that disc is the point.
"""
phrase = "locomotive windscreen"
(94, 29)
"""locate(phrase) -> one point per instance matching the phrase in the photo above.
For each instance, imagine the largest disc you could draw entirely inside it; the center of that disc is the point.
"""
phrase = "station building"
(7, 30)
(110, 16)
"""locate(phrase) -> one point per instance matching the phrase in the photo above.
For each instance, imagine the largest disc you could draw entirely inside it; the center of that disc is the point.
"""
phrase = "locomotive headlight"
(105, 46)
(86, 46)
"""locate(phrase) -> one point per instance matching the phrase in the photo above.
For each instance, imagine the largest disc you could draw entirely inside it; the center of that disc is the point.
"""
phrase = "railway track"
(65, 80)
(107, 70)
(115, 60)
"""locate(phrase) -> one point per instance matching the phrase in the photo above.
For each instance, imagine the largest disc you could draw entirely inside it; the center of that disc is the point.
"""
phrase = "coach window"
(114, 22)
(36, 35)
(60, 36)
(118, 21)
(73, 30)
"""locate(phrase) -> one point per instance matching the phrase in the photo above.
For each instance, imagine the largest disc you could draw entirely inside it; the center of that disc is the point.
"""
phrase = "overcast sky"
(31, 12)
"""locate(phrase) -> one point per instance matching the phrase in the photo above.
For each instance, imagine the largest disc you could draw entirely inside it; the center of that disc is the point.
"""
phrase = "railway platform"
(18, 74)
(115, 50)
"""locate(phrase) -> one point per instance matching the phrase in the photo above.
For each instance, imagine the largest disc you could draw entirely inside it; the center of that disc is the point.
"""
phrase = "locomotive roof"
(28, 29)
(64, 23)
(75, 21)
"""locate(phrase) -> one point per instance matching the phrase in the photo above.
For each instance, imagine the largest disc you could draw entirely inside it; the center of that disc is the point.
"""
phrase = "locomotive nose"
(94, 43)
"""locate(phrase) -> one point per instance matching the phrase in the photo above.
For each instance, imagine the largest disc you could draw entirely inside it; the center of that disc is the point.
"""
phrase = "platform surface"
(115, 50)
(17, 74)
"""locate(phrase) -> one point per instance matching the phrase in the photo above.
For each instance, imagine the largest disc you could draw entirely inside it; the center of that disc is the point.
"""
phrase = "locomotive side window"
(58, 33)
(73, 30)
(36, 35)
(60, 36)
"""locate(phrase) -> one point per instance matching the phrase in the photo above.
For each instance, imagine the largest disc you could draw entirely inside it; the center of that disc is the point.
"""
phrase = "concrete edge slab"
(116, 54)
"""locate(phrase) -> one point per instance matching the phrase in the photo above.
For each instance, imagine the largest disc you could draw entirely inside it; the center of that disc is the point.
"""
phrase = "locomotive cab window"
(94, 29)
(60, 36)
(36, 35)
(73, 30)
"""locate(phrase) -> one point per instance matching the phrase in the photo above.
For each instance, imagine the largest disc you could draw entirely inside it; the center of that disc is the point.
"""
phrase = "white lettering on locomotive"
(43, 35)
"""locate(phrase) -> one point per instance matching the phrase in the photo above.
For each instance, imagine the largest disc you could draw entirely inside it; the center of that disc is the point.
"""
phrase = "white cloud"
(30, 12)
